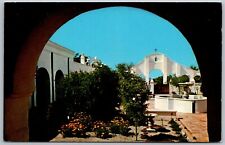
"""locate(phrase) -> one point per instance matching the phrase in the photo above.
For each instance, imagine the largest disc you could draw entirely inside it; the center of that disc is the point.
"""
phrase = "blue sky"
(124, 35)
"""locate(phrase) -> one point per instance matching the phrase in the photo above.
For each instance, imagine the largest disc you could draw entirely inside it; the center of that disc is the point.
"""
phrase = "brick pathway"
(194, 124)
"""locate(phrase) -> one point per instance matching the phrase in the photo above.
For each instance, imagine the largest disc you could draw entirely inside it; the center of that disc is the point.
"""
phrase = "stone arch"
(21, 64)
(152, 71)
(59, 77)
(37, 115)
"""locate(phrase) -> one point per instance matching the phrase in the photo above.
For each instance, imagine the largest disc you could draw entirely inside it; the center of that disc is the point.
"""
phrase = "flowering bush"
(78, 126)
(101, 129)
(120, 126)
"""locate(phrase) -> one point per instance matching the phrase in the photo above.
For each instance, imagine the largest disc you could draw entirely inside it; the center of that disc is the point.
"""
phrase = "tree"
(159, 80)
(183, 79)
(76, 57)
(198, 79)
(95, 92)
(132, 87)
(194, 67)
(105, 92)
(176, 80)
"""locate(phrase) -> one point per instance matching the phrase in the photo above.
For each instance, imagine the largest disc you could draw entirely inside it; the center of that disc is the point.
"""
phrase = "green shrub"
(175, 126)
(102, 133)
(120, 126)
(77, 126)
(101, 130)
(115, 128)
(124, 130)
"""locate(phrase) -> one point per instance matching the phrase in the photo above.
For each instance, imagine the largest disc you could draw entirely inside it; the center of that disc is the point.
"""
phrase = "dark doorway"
(59, 91)
(38, 122)
(161, 89)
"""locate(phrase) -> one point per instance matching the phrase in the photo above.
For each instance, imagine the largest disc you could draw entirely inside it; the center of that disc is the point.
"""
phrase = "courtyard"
(193, 129)
(36, 89)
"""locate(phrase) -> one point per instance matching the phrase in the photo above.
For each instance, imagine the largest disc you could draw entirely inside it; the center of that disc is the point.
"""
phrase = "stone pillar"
(165, 78)
(51, 78)
(35, 88)
(178, 69)
(146, 69)
(165, 72)
(35, 92)
(16, 117)
(152, 86)
(54, 99)
(170, 87)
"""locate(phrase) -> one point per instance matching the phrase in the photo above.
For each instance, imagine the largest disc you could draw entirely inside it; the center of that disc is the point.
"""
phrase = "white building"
(167, 66)
(54, 63)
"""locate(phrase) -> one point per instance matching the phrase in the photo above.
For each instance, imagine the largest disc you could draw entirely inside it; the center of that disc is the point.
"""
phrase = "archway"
(156, 73)
(38, 122)
(43, 88)
(59, 92)
(20, 68)
(161, 62)
(159, 78)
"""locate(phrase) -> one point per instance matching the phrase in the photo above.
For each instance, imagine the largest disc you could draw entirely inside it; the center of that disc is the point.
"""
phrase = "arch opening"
(38, 123)
(29, 47)
(59, 92)
(43, 88)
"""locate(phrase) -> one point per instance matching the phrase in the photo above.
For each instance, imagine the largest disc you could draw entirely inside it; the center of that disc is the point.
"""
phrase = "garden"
(103, 105)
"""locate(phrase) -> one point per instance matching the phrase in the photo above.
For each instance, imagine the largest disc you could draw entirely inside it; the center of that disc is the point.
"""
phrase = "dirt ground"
(118, 137)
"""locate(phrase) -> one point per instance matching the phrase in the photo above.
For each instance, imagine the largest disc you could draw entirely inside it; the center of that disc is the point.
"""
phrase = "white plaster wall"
(45, 60)
(161, 103)
(60, 63)
(180, 105)
(201, 106)
(183, 106)
(171, 104)
(138, 68)
(164, 64)
(57, 49)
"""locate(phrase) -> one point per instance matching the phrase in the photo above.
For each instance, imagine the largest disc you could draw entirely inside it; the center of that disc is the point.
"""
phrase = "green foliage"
(198, 79)
(76, 57)
(183, 79)
(115, 129)
(78, 126)
(120, 126)
(105, 92)
(172, 79)
(176, 80)
(194, 67)
(175, 126)
(95, 92)
(182, 138)
(102, 133)
(101, 91)
(101, 130)
(159, 80)
(132, 87)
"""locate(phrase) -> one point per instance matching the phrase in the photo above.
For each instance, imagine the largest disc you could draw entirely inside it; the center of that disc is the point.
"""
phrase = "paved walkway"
(195, 124)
